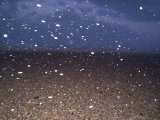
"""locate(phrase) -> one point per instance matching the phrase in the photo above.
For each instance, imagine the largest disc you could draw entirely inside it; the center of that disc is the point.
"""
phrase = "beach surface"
(79, 86)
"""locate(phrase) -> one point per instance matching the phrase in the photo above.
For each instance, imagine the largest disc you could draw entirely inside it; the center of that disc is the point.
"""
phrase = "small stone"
(155, 100)
(118, 97)
(49, 54)
(141, 114)
(29, 66)
(61, 74)
(50, 97)
(20, 72)
(36, 97)
(11, 90)
(90, 107)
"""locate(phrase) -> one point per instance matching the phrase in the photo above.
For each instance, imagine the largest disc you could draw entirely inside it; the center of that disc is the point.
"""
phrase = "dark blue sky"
(80, 25)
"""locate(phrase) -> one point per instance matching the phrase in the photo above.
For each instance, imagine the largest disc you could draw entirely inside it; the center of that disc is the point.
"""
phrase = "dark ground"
(79, 86)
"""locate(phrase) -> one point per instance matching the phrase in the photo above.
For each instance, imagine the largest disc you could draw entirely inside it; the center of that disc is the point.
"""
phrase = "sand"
(79, 86)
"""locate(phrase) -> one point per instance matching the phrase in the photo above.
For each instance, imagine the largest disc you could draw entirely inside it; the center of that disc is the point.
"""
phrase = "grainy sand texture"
(79, 86)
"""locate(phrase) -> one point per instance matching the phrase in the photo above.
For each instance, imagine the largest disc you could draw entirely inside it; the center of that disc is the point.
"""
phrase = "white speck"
(17, 78)
(35, 30)
(119, 46)
(97, 24)
(0, 76)
(61, 45)
(121, 59)
(68, 37)
(71, 34)
(52, 35)
(12, 110)
(39, 5)
(5, 35)
(49, 54)
(12, 75)
(58, 25)
(20, 72)
(50, 97)
(29, 66)
(92, 53)
(11, 90)
(61, 74)
(82, 69)
(22, 42)
(43, 21)
(141, 8)
(91, 106)
(118, 97)
(155, 100)
(55, 70)
(139, 85)
(35, 45)
(56, 38)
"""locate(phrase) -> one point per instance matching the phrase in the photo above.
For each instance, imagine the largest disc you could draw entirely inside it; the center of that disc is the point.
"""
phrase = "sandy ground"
(47, 86)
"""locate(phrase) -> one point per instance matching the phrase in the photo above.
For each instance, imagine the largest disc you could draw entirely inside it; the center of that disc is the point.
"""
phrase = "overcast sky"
(80, 25)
